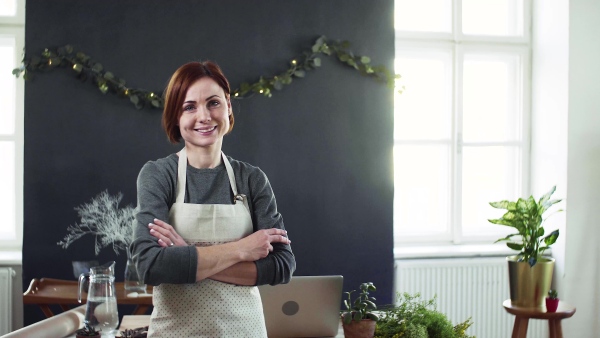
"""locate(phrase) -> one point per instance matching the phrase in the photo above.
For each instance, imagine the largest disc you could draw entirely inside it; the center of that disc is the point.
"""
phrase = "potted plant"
(357, 320)
(87, 331)
(552, 301)
(111, 225)
(530, 273)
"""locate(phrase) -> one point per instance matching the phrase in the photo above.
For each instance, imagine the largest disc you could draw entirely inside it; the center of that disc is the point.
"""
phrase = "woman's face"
(205, 114)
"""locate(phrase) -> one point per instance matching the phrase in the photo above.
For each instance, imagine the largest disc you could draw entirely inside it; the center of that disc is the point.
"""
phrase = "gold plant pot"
(529, 285)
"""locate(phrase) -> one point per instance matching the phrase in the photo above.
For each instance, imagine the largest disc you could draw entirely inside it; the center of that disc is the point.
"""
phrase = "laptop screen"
(308, 306)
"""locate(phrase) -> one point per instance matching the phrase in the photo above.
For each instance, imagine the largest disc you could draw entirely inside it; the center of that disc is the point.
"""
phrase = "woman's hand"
(166, 234)
(259, 244)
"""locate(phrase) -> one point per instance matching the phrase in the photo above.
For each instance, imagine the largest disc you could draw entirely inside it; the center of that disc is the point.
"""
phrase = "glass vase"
(133, 282)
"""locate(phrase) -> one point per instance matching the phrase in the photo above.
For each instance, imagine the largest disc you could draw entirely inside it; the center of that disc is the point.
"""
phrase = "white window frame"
(414, 246)
(15, 26)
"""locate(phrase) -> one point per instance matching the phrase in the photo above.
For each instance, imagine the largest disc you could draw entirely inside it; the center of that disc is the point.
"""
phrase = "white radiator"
(465, 287)
(6, 291)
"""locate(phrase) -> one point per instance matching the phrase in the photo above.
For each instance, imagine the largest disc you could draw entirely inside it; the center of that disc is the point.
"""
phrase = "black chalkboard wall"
(325, 141)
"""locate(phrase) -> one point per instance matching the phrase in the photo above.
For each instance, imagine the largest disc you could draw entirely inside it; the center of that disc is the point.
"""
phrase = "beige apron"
(207, 308)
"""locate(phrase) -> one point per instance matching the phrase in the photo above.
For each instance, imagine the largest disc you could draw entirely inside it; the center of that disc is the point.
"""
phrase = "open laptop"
(308, 306)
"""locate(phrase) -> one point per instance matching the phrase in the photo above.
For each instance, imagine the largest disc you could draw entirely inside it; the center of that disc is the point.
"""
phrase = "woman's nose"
(203, 115)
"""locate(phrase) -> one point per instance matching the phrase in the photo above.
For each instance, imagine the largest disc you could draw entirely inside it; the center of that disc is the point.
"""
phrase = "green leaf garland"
(84, 68)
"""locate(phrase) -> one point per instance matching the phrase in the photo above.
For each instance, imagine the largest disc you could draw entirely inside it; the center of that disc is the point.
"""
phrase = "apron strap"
(181, 176)
(230, 174)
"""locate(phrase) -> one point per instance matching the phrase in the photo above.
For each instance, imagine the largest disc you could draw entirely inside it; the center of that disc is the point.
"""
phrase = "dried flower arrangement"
(103, 218)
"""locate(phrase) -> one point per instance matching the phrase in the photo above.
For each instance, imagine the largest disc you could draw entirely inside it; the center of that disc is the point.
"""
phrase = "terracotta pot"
(363, 329)
(551, 304)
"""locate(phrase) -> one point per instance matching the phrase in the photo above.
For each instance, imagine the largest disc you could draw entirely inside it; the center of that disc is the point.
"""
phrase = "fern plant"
(416, 318)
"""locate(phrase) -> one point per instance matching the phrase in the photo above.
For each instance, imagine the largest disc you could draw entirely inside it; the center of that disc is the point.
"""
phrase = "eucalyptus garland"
(85, 68)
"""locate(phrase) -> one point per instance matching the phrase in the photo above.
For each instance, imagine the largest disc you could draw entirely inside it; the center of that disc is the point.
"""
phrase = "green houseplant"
(529, 272)
(358, 320)
(413, 317)
(526, 216)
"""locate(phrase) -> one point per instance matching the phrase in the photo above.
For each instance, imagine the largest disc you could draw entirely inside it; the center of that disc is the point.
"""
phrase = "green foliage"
(310, 60)
(526, 216)
(84, 68)
(552, 294)
(416, 318)
(361, 307)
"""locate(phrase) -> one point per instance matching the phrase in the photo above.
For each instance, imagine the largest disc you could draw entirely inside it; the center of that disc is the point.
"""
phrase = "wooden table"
(134, 322)
(49, 291)
(522, 316)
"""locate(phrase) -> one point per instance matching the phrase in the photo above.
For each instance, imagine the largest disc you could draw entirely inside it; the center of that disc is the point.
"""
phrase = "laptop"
(308, 306)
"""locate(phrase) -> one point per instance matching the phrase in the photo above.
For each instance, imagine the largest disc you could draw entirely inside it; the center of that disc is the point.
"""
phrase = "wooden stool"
(523, 314)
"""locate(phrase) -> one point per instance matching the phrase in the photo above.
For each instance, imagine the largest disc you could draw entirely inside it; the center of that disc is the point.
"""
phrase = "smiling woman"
(207, 228)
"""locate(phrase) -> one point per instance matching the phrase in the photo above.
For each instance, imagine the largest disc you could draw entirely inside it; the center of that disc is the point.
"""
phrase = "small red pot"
(551, 304)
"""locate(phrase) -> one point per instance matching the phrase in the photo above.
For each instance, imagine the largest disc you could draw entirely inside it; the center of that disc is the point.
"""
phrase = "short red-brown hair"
(183, 78)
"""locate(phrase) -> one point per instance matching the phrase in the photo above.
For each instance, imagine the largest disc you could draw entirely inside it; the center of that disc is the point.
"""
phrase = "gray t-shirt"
(156, 186)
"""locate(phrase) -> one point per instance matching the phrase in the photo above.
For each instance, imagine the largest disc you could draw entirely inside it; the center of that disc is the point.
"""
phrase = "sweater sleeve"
(279, 266)
(156, 265)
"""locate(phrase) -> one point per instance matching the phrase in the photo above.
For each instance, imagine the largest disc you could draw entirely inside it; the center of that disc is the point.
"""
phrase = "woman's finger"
(279, 239)
(165, 236)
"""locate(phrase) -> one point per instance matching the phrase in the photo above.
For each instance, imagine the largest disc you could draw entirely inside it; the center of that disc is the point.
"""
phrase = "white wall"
(566, 141)
(550, 86)
(582, 280)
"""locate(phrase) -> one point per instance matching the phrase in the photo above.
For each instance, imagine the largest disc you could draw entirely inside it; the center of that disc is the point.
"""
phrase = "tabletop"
(564, 310)
(58, 291)
(49, 291)
(137, 321)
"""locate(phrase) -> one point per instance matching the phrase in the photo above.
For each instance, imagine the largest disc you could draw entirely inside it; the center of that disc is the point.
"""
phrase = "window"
(461, 124)
(12, 39)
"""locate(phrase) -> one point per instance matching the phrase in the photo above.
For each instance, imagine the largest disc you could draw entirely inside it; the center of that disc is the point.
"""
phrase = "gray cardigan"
(156, 186)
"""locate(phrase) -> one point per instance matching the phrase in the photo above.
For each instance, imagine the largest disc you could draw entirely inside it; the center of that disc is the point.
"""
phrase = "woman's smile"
(206, 130)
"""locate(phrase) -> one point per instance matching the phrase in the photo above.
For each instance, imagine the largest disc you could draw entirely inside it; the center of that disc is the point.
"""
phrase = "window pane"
(489, 174)
(8, 83)
(492, 17)
(8, 7)
(7, 190)
(423, 15)
(421, 190)
(424, 109)
(491, 99)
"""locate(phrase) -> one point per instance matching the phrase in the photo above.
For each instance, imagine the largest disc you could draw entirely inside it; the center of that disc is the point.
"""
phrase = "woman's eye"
(188, 108)
(214, 103)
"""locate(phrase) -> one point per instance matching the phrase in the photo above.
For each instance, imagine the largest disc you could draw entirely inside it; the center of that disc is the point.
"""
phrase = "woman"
(207, 227)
